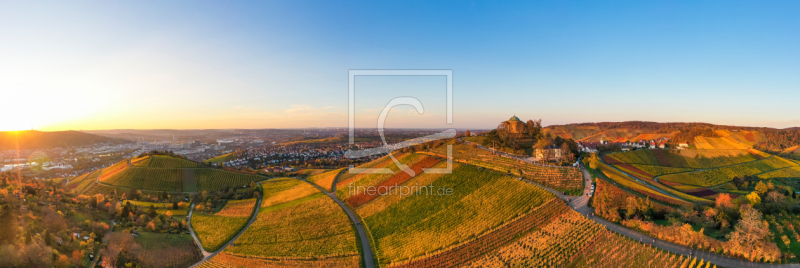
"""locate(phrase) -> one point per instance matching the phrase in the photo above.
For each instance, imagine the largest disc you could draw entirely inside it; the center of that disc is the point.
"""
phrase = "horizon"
(253, 65)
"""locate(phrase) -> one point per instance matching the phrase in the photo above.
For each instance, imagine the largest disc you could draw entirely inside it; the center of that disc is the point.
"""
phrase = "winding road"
(369, 260)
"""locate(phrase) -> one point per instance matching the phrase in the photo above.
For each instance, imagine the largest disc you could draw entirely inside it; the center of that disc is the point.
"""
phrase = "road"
(208, 255)
(369, 260)
(582, 207)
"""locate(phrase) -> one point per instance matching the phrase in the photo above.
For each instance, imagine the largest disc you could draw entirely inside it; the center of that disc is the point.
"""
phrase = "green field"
(695, 159)
(213, 179)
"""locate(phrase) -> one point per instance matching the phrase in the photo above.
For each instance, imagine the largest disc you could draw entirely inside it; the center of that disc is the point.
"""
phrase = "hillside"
(32, 139)
(165, 173)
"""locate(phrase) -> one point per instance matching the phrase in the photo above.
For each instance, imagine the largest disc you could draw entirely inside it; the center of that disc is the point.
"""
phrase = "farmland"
(325, 180)
(312, 228)
(145, 178)
(559, 178)
(694, 159)
(350, 186)
(280, 191)
(213, 179)
(221, 158)
(81, 183)
(166, 250)
(214, 230)
(571, 240)
(721, 175)
(423, 223)
(624, 181)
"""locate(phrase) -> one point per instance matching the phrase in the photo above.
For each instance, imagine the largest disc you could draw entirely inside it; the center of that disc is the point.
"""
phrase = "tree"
(761, 188)
(750, 237)
(174, 205)
(594, 161)
(27, 237)
(754, 198)
(467, 133)
(47, 239)
(152, 212)
(724, 201)
(93, 202)
(9, 223)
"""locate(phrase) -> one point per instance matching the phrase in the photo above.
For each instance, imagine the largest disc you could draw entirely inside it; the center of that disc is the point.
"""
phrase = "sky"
(88, 65)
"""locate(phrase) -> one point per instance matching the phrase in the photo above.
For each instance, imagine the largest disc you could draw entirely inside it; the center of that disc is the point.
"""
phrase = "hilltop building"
(513, 126)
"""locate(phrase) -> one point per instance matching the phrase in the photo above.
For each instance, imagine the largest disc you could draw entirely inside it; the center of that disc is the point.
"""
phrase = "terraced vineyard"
(559, 178)
(81, 183)
(300, 232)
(695, 159)
(571, 240)
(325, 180)
(792, 172)
(214, 230)
(718, 176)
(285, 190)
(353, 184)
(165, 173)
(625, 181)
(213, 179)
(409, 228)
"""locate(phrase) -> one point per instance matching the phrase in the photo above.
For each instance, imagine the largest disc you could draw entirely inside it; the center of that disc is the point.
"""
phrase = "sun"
(13, 123)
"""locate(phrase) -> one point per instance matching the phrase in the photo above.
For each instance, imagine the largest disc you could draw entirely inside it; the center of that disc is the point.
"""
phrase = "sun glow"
(15, 122)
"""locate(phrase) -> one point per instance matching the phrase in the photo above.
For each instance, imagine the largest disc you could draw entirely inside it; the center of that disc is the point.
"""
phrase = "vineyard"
(624, 181)
(463, 252)
(81, 183)
(721, 175)
(226, 260)
(214, 179)
(281, 191)
(161, 208)
(145, 178)
(349, 186)
(325, 180)
(379, 204)
(221, 158)
(214, 230)
(792, 172)
(571, 240)
(167, 250)
(694, 159)
(316, 228)
(559, 178)
(397, 179)
(162, 161)
(480, 201)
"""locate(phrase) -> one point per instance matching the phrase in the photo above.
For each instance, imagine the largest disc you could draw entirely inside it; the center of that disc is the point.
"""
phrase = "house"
(683, 145)
(552, 153)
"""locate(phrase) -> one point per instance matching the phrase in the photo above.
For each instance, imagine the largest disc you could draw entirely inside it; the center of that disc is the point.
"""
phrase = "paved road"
(105, 241)
(208, 255)
(365, 244)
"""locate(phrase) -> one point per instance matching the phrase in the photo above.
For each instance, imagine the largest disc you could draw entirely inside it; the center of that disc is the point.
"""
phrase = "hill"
(33, 140)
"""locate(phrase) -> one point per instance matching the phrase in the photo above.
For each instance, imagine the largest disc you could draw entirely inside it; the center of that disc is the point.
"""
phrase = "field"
(350, 184)
(362, 197)
(162, 208)
(312, 229)
(226, 260)
(426, 222)
(559, 178)
(325, 180)
(214, 230)
(792, 172)
(145, 178)
(284, 190)
(221, 158)
(624, 181)
(80, 183)
(694, 159)
(721, 175)
(213, 179)
(167, 250)
(571, 240)
(161, 161)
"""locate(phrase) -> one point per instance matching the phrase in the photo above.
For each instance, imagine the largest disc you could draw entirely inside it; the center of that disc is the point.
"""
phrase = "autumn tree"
(754, 198)
(750, 237)
(761, 188)
(724, 201)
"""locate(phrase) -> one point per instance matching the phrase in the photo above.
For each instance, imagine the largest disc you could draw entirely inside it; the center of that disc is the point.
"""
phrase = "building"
(549, 154)
(513, 126)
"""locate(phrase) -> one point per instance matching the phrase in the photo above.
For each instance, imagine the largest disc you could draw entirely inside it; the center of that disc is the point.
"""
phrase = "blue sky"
(192, 64)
